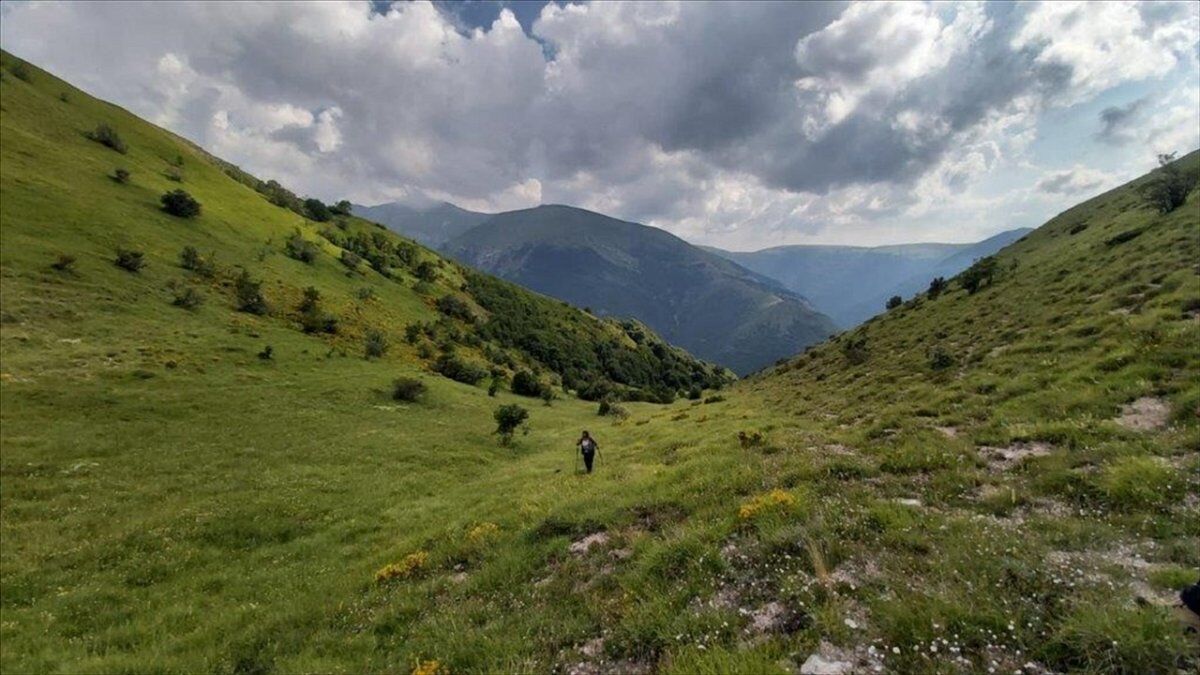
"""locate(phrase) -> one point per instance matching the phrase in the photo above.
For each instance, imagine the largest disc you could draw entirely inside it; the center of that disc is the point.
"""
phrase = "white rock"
(817, 665)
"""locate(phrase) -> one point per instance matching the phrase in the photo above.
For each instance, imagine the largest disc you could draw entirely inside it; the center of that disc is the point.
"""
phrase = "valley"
(999, 475)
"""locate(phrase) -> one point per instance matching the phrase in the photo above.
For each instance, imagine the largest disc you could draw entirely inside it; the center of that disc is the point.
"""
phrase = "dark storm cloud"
(1116, 122)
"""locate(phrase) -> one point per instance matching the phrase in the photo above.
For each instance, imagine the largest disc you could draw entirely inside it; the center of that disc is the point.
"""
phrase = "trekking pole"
(576, 454)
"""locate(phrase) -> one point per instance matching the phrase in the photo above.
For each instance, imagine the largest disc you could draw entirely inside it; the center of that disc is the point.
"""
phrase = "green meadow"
(1001, 479)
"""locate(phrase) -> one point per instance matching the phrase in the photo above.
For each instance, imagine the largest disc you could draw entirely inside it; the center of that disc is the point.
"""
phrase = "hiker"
(587, 447)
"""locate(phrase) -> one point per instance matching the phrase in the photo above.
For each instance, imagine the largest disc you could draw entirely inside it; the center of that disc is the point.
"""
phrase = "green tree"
(508, 418)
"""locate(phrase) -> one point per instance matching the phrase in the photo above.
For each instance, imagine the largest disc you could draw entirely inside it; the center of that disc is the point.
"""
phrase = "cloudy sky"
(741, 125)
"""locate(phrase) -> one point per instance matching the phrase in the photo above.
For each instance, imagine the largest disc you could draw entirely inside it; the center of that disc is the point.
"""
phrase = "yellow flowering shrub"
(482, 532)
(768, 500)
(410, 565)
(431, 667)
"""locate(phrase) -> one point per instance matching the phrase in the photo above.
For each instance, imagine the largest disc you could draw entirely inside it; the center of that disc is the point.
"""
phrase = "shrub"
(609, 409)
(717, 398)
(894, 302)
(64, 262)
(1121, 238)
(494, 386)
(427, 272)
(180, 203)
(855, 349)
(121, 175)
(1168, 187)
(940, 359)
(191, 259)
(267, 353)
(299, 248)
(130, 260)
(375, 344)
(312, 318)
(366, 293)
(316, 210)
(508, 418)
(188, 298)
(982, 273)
(108, 137)
(457, 369)
(936, 286)
(525, 383)
(248, 292)
(694, 394)
(408, 389)
(350, 259)
(20, 70)
(455, 307)
(341, 208)
(174, 175)
(547, 396)
(751, 439)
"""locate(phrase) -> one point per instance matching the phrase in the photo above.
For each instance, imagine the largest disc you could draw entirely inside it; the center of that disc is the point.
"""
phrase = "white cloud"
(741, 124)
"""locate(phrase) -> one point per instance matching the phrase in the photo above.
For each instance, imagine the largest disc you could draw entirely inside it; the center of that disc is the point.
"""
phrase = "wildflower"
(482, 532)
(431, 667)
(772, 499)
(410, 565)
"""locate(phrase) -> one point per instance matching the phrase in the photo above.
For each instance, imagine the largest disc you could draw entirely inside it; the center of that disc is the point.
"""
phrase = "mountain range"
(710, 306)
(852, 283)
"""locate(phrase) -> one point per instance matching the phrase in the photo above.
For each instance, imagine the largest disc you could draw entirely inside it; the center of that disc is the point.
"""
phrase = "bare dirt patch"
(1148, 413)
(832, 660)
(583, 546)
(1004, 459)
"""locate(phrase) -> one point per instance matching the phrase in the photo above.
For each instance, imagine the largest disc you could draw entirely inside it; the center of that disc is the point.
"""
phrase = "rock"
(948, 432)
(908, 502)
(816, 665)
(1003, 459)
(584, 545)
(592, 648)
(1145, 414)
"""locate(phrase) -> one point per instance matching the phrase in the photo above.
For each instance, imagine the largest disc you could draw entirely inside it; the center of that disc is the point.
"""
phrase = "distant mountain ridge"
(852, 283)
(713, 307)
(433, 225)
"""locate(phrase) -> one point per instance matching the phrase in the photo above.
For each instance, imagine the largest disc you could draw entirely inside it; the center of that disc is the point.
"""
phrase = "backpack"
(587, 445)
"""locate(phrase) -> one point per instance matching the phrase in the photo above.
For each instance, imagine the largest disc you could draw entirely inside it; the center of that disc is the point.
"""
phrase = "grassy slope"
(227, 514)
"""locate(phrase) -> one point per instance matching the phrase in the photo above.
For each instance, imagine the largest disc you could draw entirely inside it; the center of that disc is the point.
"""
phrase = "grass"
(172, 502)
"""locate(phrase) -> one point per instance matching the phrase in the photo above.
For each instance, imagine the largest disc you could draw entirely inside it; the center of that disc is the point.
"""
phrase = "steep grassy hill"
(432, 226)
(712, 307)
(1003, 479)
(853, 283)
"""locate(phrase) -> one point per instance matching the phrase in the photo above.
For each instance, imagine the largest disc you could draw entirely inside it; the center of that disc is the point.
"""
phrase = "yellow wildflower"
(431, 667)
(410, 565)
(482, 532)
(763, 502)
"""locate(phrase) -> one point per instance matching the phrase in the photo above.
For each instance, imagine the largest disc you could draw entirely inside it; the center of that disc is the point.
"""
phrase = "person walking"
(587, 447)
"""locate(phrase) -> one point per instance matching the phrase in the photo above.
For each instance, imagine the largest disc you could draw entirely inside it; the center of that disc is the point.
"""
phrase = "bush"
(427, 272)
(130, 260)
(694, 394)
(894, 302)
(174, 175)
(408, 389)
(940, 359)
(457, 369)
(508, 418)
(299, 248)
(982, 273)
(547, 396)
(249, 295)
(188, 298)
(180, 203)
(855, 349)
(121, 175)
(312, 318)
(609, 409)
(750, 439)
(267, 353)
(375, 344)
(936, 286)
(455, 307)
(191, 259)
(525, 383)
(1168, 187)
(108, 137)
(316, 210)
(365, 293)
(494, 386)
(341, 208)
(20, 70)
(64, 262)
(350, 259)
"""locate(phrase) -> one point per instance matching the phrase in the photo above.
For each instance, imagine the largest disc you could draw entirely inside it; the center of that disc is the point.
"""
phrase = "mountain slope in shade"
(852, 283)
(714, 308)
(432, 225)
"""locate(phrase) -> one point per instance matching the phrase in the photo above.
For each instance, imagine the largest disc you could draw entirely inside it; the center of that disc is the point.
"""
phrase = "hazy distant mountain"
(433, 225)
(712, 307)
(852, 283)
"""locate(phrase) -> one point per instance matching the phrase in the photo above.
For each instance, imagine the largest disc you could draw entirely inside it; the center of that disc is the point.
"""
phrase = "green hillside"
(1003, 479)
